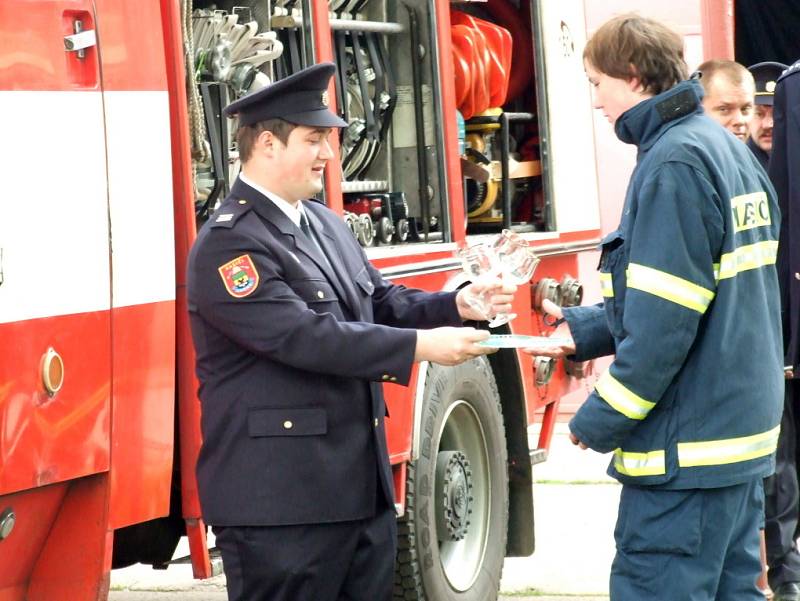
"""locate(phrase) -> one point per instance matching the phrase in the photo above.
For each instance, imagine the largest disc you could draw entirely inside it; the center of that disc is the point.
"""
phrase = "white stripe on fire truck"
(54, 233)
(140, 188)
(54, 225)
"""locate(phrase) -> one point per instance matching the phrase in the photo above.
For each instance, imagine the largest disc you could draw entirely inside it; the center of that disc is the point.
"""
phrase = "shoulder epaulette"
(230, 212)
(795, 68)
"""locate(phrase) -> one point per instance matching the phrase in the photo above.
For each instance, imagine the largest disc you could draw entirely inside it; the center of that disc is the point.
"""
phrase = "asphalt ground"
(575, 510)
(222, 596)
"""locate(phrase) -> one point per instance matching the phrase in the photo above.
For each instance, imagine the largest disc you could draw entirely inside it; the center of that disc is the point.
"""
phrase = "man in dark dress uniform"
(295, 332)
(760, 126)
(782, 496)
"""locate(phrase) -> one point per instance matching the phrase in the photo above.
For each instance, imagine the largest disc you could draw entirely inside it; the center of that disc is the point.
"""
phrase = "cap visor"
(765, 100)
(319, 118)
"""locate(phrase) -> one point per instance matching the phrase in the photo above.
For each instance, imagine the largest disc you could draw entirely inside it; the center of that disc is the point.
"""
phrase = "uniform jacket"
(694, 395)
(291, 353)
(758, 152)
(784, 172)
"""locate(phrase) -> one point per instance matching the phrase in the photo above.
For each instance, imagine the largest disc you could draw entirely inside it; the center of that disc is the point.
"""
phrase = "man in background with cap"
(295, 332)
(760, 127)
(782, 495)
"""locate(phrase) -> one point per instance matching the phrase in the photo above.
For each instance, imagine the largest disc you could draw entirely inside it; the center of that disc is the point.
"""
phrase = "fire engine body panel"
(88, 290)
(118, 147)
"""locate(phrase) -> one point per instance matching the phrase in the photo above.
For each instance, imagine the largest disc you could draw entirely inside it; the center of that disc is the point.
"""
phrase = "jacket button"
(320, 294)
(797, 276)
(385, 377)
(242, 202)
(375, 422)
(288, 425)
(393, 379)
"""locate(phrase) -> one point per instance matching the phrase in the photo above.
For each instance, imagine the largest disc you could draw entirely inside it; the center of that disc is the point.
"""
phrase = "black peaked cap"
(301, 98)
(765, 75)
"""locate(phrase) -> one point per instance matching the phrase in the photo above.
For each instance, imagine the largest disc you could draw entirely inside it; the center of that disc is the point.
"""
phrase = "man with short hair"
(295, 332)
(690, 405)
(729, 91)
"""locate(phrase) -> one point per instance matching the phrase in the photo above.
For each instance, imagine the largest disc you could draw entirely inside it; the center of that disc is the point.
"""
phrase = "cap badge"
(325, 98)
(770, 87)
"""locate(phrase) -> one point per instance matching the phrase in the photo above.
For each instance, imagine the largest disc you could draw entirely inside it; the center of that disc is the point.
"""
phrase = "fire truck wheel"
(452, 537)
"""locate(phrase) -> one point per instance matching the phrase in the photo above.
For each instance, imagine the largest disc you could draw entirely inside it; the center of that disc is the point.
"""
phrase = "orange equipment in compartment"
(482, 60)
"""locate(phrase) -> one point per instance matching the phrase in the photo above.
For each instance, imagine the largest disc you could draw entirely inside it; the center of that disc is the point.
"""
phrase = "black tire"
(457, 552)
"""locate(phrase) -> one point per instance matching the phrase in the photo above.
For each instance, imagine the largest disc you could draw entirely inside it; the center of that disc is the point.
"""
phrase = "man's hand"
(497, 293)
(562, 331)
(450, 346)
(574, 440)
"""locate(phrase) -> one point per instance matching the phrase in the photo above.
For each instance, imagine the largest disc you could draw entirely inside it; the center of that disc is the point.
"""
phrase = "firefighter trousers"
(688, 545)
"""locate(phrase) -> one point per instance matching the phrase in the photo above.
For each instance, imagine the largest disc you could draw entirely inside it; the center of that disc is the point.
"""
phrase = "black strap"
(372, 132)
(358, 6)
(213, 102)
(390, 86)
(341, 59)
(552, 321)
(380, 80)
(294, 51)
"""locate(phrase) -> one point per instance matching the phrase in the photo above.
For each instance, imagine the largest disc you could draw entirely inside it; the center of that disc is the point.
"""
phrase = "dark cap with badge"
(765, 75)
(301, 98)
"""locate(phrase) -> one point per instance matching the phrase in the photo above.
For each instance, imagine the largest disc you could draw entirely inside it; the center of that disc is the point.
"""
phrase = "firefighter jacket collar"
(644, 124)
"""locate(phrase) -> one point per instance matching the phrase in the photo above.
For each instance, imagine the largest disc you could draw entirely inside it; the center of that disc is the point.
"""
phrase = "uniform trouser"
(346, 561)
(688, 545)
(782, 500)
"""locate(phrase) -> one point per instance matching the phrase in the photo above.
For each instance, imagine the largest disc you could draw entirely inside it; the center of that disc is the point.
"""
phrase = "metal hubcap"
(462, 495)
(454, 494)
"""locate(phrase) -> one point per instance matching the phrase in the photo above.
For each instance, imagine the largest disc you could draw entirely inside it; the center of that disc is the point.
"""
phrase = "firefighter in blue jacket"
(783, 495)
(691, 404)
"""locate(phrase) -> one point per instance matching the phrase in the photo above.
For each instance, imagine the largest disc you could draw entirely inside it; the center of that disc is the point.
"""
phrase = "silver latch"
(80, 40)
(544, 368)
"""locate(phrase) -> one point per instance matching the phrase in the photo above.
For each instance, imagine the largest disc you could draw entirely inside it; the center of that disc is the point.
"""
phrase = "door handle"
(80, 40)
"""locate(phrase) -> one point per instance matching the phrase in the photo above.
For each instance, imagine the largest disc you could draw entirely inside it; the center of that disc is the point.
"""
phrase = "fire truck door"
(568, 125)
(55, 372)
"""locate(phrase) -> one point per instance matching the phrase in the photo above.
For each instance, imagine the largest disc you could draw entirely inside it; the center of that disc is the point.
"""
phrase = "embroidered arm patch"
(239, 276)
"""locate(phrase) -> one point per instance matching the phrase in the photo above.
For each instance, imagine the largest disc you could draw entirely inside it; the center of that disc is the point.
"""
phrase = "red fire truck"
(465, 118)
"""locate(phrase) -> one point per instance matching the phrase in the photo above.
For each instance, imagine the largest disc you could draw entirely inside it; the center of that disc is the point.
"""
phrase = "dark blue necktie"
(305, 226)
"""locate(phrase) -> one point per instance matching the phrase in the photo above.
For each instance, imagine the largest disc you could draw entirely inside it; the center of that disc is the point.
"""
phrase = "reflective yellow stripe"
(640, 464)
(747, 257)
(620, 398)
(606, 285)
(732, 450)
(669, 287)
